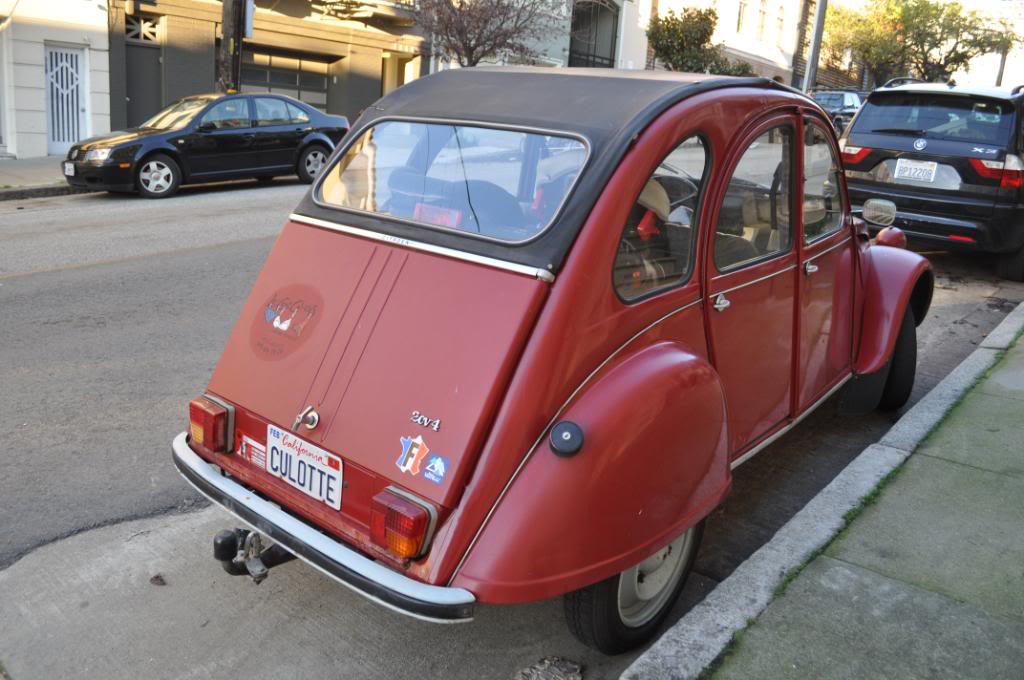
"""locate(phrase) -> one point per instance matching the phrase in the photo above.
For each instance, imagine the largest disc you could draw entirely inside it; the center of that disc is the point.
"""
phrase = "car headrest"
(655, 198)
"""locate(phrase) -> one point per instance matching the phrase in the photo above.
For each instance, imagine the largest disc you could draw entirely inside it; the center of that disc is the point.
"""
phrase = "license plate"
(305, 466)
(919, 171)
(69, 169)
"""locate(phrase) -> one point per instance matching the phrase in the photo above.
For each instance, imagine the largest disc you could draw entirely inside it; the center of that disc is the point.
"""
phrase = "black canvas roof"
(607, 107)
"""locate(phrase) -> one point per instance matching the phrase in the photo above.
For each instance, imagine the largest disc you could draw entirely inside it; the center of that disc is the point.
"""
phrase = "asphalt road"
(115, 310)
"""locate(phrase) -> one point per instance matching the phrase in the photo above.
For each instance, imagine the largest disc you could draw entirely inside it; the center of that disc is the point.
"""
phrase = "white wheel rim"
(156, 177)
(645, 589)
(315, 162)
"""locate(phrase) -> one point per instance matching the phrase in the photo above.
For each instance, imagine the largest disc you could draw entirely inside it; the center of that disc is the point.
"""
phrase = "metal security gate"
(65, 98)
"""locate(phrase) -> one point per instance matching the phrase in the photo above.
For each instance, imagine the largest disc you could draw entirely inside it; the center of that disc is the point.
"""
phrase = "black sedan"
(208, 138)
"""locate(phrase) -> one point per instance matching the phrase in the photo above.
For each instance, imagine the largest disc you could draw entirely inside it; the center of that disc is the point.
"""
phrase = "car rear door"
(751, 282)
(277, 136)
(825, 332)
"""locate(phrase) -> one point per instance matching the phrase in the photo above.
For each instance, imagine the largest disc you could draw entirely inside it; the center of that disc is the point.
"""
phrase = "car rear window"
(937, 116)
(499, 184)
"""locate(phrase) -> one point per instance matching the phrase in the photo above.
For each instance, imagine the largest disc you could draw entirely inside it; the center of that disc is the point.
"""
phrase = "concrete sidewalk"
(927, 580)
(32, 177)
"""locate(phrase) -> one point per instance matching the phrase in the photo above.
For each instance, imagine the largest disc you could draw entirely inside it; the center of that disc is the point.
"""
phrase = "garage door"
(302, 76)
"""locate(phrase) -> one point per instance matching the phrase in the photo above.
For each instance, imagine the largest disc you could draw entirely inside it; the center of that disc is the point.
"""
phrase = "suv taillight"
(853, 154)
(400, 524)
(210, 424)
(1010, 172)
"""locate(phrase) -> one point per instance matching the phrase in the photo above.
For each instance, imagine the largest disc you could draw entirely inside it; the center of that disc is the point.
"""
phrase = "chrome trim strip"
(558, 412)
(750, 283)
(844, 242)
(326, 546)
(772, 439)
(533, 272)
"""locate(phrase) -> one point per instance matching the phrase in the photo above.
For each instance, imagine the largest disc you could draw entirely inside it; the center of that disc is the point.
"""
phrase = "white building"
(54, 75)
(984, 70)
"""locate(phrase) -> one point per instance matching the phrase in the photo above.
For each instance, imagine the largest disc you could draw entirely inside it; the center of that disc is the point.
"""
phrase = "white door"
(65, 98)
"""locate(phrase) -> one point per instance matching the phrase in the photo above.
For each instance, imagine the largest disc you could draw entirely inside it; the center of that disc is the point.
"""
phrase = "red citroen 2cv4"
(520, 331)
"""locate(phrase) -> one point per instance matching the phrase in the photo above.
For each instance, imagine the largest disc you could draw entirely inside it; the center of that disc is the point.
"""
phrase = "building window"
(780, 24)
(143, 28)
(298, 75)
(762, 15)
(595, 27)
(739, 16)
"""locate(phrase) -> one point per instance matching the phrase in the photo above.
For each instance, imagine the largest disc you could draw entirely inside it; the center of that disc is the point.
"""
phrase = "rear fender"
(654, 462)
(893, 279)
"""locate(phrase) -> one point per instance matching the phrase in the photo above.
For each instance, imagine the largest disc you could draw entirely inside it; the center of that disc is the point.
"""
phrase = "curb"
(18, 193)
(696, 640)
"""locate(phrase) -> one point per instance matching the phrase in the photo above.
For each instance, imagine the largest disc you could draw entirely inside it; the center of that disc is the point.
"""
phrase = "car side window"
(823, 202)
(229, 114)
(271, 111)
(296, 114)
(753, 220)
(656, 248)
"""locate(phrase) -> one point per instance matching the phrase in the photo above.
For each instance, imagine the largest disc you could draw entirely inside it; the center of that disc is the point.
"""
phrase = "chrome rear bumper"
(368, 578)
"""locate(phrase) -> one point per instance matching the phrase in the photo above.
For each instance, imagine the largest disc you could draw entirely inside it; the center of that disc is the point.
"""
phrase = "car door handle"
(810, 268)
(721, 303)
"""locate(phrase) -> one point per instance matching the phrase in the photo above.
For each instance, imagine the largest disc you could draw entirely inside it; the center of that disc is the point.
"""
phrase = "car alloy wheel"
(156, 177)
(315, 161)
(644, 589)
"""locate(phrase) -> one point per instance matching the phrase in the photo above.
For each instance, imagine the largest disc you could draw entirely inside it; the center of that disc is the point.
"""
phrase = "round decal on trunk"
(285, 321)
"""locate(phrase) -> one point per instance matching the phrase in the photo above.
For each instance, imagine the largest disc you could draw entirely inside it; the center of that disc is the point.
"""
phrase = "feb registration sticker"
(307, 467)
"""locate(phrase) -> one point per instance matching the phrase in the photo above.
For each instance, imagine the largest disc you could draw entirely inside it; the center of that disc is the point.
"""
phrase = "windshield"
(178, 114)
(937, 116)
(499, 184)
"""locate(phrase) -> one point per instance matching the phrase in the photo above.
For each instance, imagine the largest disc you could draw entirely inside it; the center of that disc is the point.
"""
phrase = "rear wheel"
(902, 367)
(1011, 266)
(158, 177)
(311, 162)
(626, 610)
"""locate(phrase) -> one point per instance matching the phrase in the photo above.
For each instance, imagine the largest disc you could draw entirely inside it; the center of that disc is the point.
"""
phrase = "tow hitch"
(241, 552)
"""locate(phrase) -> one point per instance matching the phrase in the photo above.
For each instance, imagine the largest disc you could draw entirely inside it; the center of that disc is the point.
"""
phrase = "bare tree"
(470, 31)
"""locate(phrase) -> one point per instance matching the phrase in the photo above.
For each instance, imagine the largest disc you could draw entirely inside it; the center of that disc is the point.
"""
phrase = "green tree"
(928, 38)
(683, 43)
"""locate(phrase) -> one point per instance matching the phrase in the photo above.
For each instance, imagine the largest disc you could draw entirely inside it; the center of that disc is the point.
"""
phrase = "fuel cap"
(566, 438)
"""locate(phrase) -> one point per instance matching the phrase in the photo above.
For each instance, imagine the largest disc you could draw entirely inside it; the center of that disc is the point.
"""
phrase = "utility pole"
(811, 72)
(233, 25)
(1002, 67)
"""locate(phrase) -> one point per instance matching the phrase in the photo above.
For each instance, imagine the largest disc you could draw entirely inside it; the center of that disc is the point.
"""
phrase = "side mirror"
(879, 212)
(207, 126)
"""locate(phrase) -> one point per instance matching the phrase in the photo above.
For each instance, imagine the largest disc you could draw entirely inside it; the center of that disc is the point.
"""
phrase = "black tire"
(594, 615)
(1011, 266)
(158, 176)
(902, 367)
(312, 161)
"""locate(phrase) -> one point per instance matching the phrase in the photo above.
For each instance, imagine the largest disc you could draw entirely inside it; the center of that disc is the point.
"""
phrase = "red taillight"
(208, 424)
(962, 239)
(1010, 172)
(854, 154)
(399, 524)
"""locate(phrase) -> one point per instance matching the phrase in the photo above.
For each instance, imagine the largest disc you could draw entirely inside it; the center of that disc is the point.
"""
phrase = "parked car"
(512, 345)
(841, 105)
(208, 138)
(949, 157)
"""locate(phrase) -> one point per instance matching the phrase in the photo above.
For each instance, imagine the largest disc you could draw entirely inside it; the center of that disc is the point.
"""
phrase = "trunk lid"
(404, 354)
(945, 135)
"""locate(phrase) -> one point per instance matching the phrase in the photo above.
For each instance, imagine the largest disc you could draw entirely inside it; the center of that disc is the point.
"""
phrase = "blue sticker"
(436, 469)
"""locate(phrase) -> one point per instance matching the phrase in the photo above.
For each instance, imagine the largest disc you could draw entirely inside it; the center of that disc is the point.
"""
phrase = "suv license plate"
(307, 467)
(919, 171)
(69, 169)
